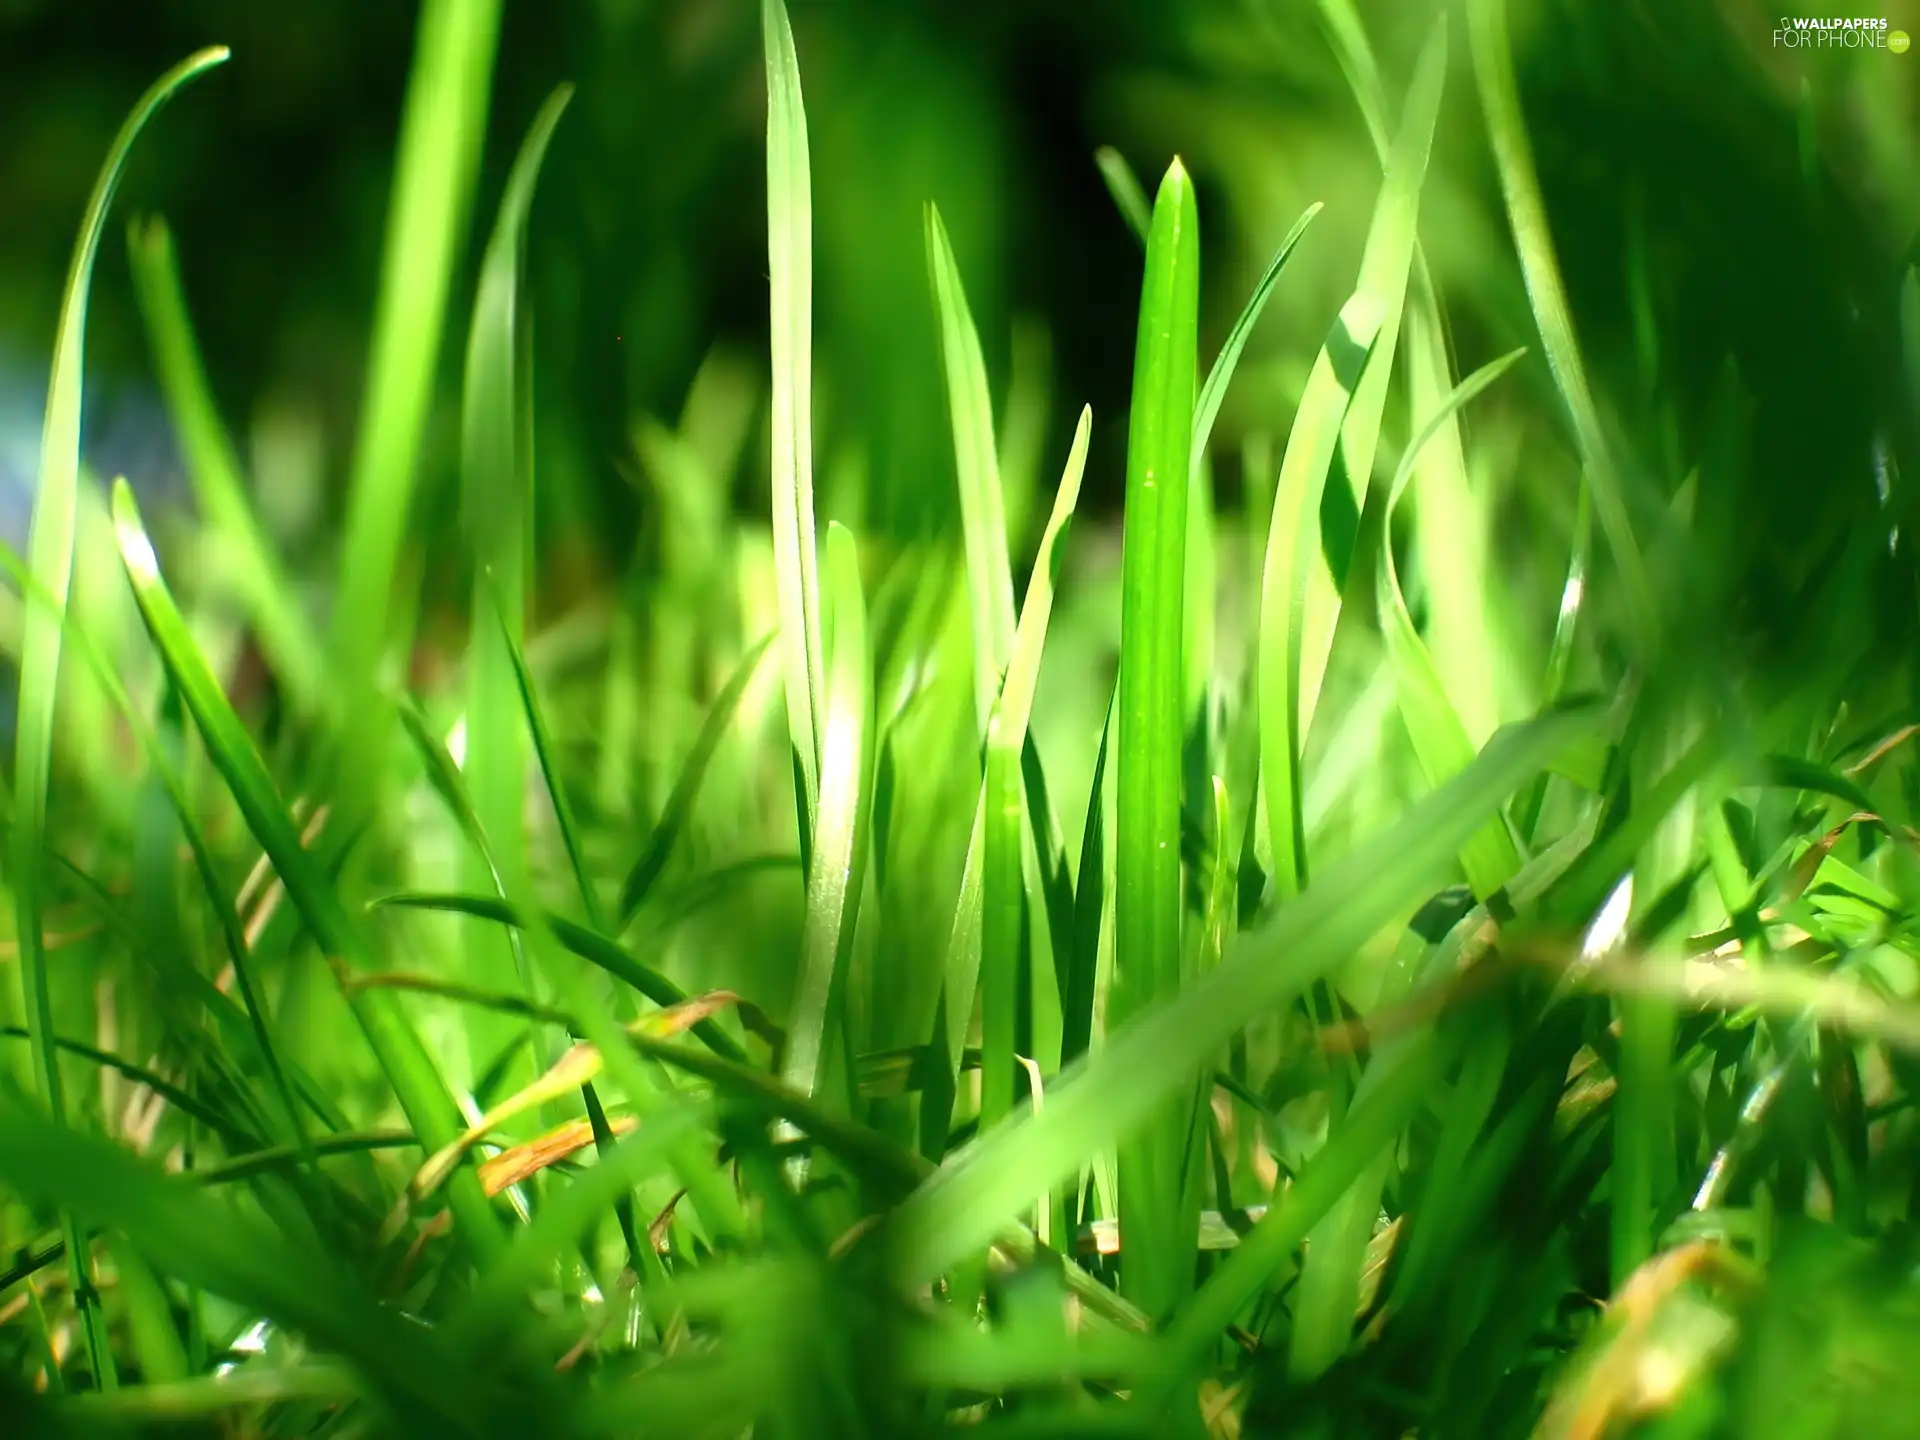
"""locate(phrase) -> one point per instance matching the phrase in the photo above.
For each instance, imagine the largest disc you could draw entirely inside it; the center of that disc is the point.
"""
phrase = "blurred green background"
(1758, 183)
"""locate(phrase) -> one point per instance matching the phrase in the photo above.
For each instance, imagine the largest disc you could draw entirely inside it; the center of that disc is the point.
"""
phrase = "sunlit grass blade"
(652, 862)
(1151, 720)
(51, 540)
(1214, 391)
(260, 581)
(1004, 897)
(1533, 239)
(409, 1067)
(1439, 737)
(1126, 1083)
(434, 178)
(1385, 266)
(497, 507)
(1129, 195)
(982, 510)
(1293, 553)
(818, 1029)
(790, 266)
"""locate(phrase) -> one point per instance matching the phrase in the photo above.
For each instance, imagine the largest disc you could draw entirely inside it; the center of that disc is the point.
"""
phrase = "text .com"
(1839, 34)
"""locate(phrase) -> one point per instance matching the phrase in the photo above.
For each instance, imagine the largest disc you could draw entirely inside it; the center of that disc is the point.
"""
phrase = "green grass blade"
(647, 870)
(1004, 895)
(1129, 195)
(1527, 214)
(589, 945)
(790, 266)
(1214, 391)
(55, 523)
(982, 509)
(1089, 906)
(1439, 737)
(289, 641)
(1152, 719)
(820, 1016)
(497, 507)
(434, 178)
(1293, 552)
(409, 1067)
(1126, 1083)
(1385, 266)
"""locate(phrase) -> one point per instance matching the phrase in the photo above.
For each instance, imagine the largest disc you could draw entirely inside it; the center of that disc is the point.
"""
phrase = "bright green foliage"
(1278, 977)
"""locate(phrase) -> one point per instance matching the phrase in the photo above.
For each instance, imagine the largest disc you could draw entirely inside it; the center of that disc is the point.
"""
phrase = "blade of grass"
(1129, 195)
(647, 869)
(1214, 391)
(982, 509)
(819, 1017)
(1439, 737)
(1527, 214)
(1004, 896)
(497, 506)
(56, 511)
(790, 266)
(1089, 906)
(1293, 550)
(434, 179)
(1152, 720)
(1124, 1084)
(406, 1062)
(260, 581)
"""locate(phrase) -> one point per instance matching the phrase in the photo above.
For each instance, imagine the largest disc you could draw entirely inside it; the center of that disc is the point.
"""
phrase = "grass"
(1420, 1033)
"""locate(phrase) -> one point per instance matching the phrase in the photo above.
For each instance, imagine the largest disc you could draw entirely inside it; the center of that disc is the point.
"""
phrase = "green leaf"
(265, 592)
(1129, 195)
(1439, 738)
(408, 1065)
(1123, 1086)
(56, 515)
(790, 266)
(1152, 719)
(839, 850)
(983, 518)
(1527, 214)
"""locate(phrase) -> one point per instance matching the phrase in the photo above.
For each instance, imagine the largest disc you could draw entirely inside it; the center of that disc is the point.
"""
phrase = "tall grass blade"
(260, 581)
(1129, 195)
(51, 539)
(433, 183)
(409, 1067)
(1527, 214)
(982, 509)
(1004, 897)
(1152, 720)
(790, 266)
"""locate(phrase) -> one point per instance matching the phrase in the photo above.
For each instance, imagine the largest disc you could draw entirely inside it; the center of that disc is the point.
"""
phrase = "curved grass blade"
(187, 1104)
(983, 517)
(589, 945)
(1129, 195)
(434, 179)
(497, 503)
(51, 540)
(409, 1067)
(839, 851)
(287, 638)
(1004, 897)
(1152, 718)
(1440, 740)
(1527, 214)
(1126, 1083)
(646, 870)
(1214, 391)
(790, 266)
